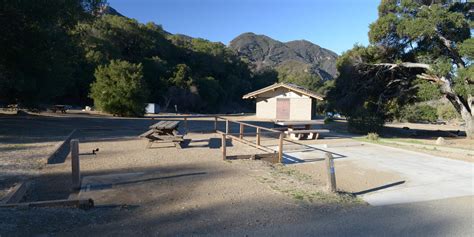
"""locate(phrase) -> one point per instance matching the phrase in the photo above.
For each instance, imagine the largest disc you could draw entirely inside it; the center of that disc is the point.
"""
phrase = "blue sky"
(333, 24)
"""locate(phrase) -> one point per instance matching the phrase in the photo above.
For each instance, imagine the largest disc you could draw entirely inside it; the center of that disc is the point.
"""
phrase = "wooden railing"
(240, 135)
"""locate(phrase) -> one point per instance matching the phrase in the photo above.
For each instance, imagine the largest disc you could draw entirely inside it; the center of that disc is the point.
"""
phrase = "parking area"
(409, 176)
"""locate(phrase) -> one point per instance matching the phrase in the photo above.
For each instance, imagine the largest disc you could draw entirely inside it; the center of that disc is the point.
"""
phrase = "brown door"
(283, 109)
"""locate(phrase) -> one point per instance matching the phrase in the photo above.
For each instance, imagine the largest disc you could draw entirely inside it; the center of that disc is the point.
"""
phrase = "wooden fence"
(259, 132)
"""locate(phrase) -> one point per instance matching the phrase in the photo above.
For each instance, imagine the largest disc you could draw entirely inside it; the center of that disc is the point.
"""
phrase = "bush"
(119, 89)
(365, 124)
(419, 113)
(447, 112)
(373, 136)
(328, 120)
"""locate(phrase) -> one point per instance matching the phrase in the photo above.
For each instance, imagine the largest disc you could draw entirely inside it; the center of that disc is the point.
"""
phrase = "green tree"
(119, 88)
(39, 58)
(413, 41)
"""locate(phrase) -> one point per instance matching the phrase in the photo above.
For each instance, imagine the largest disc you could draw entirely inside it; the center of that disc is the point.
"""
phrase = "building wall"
(300, 108)
(300, 105)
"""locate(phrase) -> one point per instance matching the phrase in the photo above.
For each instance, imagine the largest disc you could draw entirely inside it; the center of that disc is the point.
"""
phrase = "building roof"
(289, 86)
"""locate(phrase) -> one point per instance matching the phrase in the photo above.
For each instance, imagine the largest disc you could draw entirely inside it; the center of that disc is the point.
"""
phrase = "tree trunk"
(469, 120)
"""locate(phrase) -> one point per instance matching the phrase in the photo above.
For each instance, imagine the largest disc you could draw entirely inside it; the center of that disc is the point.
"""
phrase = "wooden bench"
(309, 133)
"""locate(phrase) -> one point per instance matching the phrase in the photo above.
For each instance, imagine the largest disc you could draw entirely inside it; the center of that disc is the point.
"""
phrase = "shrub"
(365, 124)
(447, 112)
(373, 136)
(419, 113)
(119, 88)
(328, 120)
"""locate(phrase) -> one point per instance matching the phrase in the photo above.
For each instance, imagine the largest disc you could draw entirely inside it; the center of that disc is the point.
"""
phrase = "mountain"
(299, 55)
(108, 10)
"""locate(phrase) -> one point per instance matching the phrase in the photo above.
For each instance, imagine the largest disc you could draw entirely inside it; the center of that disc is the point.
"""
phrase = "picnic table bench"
(301, 129)
(162, 132)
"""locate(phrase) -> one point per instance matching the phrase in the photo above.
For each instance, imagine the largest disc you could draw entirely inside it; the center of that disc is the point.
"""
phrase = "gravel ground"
(164, 191)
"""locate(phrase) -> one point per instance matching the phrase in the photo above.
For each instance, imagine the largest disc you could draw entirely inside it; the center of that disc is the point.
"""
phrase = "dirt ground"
(161, 182)
(165, 191)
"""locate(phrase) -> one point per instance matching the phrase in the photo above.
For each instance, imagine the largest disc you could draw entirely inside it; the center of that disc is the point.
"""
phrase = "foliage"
(119, 88)
(363, 122)
(420, 50)
(419, 113)
(373, 136)
(328, 120)
(39, 58)
(446, 112)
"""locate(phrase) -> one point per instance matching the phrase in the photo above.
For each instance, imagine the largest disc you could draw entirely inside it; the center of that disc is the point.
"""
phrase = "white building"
(284, 101)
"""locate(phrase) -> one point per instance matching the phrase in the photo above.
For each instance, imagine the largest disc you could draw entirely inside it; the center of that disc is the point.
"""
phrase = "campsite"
(122, 127)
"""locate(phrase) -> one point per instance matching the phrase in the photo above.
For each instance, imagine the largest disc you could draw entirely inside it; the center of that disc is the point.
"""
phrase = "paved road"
(426, 177)
(448, 217)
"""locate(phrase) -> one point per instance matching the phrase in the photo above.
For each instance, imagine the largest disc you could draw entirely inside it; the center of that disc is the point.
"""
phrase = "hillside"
(263, 52)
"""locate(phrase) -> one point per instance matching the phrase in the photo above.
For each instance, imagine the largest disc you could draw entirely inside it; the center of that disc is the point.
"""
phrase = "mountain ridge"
(264, 52)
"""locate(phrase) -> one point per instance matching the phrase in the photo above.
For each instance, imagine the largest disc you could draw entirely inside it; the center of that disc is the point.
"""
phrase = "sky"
(333, 24)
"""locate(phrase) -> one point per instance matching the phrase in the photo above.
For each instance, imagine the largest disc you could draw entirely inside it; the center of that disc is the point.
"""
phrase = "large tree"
(39, 58)
(414, 42)
(119, 88)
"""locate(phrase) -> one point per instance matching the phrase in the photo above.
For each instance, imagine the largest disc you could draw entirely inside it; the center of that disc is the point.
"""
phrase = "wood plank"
(17, 193)
(167, 138)
(270, 157)
(290, 123)
(156, 125)
(250, 143)
(307, 131)
(147, 133)
(80, 203)
(172, 125)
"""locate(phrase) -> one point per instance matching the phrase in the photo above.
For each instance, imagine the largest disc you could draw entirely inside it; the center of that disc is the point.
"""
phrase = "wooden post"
(186, 125)
(241, 133)
(331, 184)
(280, 148)
(76, 172)
(226, 126)
(258, 137)
(215, 124)
(224, 152)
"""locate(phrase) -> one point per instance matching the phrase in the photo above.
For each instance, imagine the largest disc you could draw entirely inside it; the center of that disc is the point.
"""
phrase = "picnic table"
(298, 130)
(164, 131)
(61, 108)
(11, 107)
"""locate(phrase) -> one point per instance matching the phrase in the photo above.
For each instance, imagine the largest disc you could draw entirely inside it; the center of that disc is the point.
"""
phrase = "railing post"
(280, 148)
(224, 152)
(331, 173)
(76, 172)
(226, 126)
(241, 132)
(215, 124)
(258, 137)
(186, 125)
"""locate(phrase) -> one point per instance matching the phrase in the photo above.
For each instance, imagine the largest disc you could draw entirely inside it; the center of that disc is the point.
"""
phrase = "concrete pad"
(424, 177)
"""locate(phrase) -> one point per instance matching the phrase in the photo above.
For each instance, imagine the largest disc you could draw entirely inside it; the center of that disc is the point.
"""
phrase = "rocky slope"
(264, 52)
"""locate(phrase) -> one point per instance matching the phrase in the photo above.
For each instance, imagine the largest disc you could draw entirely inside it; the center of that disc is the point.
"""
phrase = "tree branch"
(454, 54)
(404, 64)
